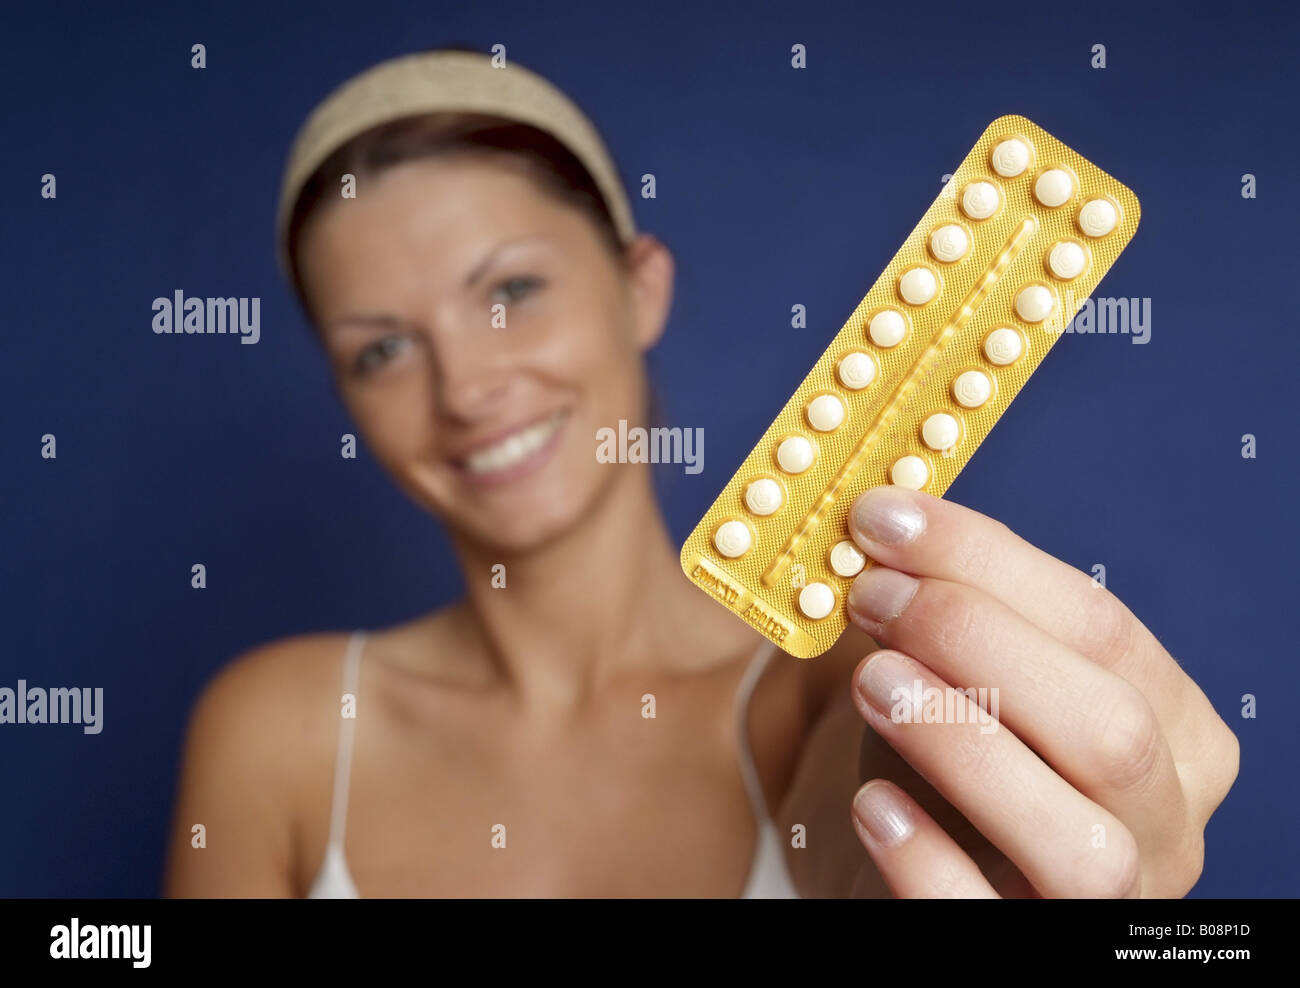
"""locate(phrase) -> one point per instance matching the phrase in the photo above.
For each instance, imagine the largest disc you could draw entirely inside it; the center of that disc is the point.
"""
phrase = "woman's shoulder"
(258, 679)
(272, 699)
(288, 690)
(254, 754)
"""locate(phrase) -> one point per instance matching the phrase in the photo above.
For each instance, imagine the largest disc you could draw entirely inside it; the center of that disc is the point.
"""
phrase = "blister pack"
(915, 379)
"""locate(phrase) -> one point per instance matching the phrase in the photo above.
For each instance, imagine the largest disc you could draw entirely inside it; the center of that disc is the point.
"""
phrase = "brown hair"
(551, 165)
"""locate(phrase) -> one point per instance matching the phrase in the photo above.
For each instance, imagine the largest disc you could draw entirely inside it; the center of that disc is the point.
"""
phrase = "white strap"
(748, 771)
(343, 762)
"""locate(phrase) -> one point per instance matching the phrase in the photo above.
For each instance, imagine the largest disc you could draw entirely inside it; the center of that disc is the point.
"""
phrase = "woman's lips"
(520, 453)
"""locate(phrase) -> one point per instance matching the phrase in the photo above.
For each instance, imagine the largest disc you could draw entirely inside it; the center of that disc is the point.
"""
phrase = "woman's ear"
(650, 270)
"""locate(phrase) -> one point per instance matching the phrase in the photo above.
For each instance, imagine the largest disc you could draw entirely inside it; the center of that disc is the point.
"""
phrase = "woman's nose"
(471, 375)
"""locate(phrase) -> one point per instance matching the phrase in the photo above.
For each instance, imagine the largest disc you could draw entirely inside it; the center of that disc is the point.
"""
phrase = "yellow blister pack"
(915, 379)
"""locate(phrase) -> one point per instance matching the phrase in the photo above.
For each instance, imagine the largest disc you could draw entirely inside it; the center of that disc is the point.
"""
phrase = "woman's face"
(480, 334)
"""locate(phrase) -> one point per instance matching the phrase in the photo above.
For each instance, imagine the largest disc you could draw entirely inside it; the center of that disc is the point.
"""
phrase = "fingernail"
(885, 680)
(881, 594)
(888, 515)
(886, 817)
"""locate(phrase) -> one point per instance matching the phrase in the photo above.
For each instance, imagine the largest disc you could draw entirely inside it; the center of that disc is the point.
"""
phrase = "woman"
(486, 304)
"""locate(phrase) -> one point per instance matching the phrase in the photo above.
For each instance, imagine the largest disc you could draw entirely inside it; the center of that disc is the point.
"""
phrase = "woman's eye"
(513, 289)
(378, 353)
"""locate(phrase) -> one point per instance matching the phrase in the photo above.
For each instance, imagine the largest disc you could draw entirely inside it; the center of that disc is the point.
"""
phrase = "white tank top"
(768, 877)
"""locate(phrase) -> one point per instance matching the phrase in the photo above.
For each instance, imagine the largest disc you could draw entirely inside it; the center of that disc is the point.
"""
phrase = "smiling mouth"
(517, 453)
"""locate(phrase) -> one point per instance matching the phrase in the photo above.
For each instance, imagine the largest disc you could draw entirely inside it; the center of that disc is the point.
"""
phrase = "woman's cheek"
(395, 423)
(396, 413)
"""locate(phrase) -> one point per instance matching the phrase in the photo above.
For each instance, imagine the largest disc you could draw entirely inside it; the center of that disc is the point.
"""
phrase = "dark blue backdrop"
(775, 186)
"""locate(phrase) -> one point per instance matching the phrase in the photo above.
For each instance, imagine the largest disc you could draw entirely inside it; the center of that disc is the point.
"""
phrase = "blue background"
(775, 186)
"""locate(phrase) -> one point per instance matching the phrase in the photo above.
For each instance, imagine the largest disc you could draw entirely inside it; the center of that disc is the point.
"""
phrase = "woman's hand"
(1096, 762)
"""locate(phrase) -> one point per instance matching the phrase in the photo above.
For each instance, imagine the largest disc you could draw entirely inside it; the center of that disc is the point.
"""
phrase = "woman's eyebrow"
(486, 262)
(365, 321)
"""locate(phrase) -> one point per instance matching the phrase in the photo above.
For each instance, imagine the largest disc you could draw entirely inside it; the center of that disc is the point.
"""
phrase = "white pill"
(972, 388)
(1034, 303)
(917, 286)
(1054, 187)
(825, 413)
(940, 431)
(732, 539)
(887, 328)
(816, 600)
(910, 472)
(847, 559)
(1003, 346)
(795, 454)
(980, 200)
(1097, 217)
(857, 370)
(1067, 260)
(949, 243)
(763, 496)
(1010, 158)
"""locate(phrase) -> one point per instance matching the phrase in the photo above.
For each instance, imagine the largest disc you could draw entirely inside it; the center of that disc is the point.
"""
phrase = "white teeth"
(513, 448)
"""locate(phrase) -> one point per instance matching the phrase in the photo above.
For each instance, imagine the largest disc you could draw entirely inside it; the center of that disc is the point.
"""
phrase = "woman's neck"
(606, 598)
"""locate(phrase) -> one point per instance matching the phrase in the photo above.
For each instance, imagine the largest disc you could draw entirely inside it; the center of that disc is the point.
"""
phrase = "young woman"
(486, 307)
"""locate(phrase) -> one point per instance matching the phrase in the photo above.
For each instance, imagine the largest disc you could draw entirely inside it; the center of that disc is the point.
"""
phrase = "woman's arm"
(236, 782)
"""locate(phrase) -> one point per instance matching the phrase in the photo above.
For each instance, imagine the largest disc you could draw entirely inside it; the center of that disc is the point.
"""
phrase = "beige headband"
(445, 81)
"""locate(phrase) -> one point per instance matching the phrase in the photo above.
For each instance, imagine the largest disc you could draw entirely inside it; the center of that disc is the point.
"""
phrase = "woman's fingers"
(913, 854)
(1064, 843)
(928, 536)
(1095, 729)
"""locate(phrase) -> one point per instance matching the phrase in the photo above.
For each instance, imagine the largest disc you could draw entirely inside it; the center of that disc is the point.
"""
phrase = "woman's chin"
(517, 534)
(525, 517)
